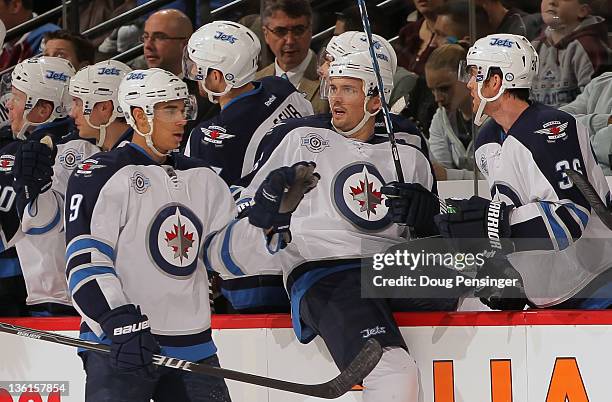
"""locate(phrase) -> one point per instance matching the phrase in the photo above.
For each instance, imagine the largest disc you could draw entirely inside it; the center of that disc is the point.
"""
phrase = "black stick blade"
(590, 194)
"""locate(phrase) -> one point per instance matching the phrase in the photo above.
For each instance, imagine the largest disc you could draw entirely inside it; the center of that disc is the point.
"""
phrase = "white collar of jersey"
(295, 75)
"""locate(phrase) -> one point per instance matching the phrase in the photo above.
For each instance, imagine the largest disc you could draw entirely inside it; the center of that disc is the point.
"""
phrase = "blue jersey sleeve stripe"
(48, 227)
(207, 263)
(226, 255)
(558, 231)
(82, 274)
(86, 243)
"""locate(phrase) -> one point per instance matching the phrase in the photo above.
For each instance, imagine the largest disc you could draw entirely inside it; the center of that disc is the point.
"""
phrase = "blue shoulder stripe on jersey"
(256, 297)
(558, 231)
(42, 230)
(86, 243)
(258, 88)
(226, 255)
(584, 218)
(82, 274)
(140, 149)
(190, 353)
(10, 267)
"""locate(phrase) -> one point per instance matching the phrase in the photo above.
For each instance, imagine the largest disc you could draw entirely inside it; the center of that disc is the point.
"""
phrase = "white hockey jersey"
(134, 231)
(42, 248)
(524, 168)
(339, 222)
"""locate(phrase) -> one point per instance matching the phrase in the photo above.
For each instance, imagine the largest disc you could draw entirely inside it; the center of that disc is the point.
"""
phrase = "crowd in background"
(431, 38)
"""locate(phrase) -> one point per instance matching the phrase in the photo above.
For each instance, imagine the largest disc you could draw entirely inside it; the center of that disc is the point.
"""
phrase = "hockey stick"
(385, 108)
(589, 192)
(359, 368)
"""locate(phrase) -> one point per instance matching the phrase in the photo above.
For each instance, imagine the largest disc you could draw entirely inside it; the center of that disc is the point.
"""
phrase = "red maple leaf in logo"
(5, 163)
(555, 130)
(180, 241)
(86, 166)
(367, 197)
(214, 134)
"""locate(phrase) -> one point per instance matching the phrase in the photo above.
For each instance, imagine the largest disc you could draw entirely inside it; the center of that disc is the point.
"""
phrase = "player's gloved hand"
(133, 345)
(506, 298)
(277, 197)
(32, 170)
(413, 205)
(475, 218)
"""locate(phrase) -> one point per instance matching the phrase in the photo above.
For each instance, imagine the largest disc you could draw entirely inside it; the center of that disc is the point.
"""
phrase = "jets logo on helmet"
(135, 76)
(109, 71)
(55, 75)
(357, 196)
(174, 240)
(225, 37)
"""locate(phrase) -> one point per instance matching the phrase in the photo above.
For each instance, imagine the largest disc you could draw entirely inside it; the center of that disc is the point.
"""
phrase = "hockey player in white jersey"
(222, 57)
(136, 219)
(344, 220)
(523, 154)
(95, 109)
(37, 107)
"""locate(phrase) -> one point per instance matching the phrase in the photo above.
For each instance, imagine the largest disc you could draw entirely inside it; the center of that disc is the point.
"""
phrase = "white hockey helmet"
(146, 88)
(512, 54)
(227, 46)
(359, 65)
(99, 83)
(43, 78)
(354, 42)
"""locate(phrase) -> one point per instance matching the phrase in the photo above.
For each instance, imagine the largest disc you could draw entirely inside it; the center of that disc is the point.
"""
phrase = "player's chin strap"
(20, 135)
(149, 140)
(211, 94)
(101, 128)
(480, 116)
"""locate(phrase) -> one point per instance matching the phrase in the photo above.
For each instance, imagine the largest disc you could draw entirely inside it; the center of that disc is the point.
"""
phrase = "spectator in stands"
(572, 49)
(166, 34)
(349, 19)
(451, 142)
(510, 20)
(452, 24)
(416, 39)
(73, 47)
(287, 27)
(14, 13)
(593, 108)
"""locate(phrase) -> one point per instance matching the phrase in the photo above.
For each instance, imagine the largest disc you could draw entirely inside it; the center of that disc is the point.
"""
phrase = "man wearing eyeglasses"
(165, 35)
(287, 27)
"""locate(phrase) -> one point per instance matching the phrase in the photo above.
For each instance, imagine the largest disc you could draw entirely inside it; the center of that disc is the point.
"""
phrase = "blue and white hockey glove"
(33, 170)
(476, 218)
(276, 199)
(133, 345)
(413, 205)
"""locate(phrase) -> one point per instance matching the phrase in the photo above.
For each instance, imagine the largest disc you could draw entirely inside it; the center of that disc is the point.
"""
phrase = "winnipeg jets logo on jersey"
(87, 167)
(314, 142)
(70, 158)
(6, 163)
(215, 135)
(554, 130)
(358, 198)
(174, 240)
(139, 182)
